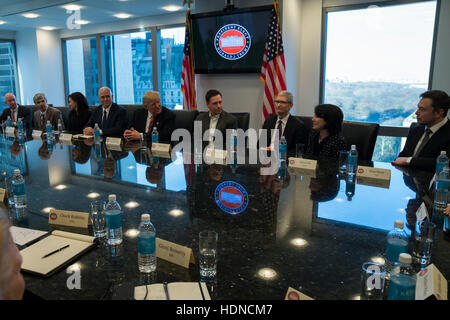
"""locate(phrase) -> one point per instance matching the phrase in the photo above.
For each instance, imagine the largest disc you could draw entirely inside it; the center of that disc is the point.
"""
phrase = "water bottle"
(441, 193)
(441, 162)
(9, 122)
(49, 130)
(397, 243)
(60, 128)
(403, 279)
(113, 221)
(19, 193)
(352, 161)
(155, 135)
(146, 245)
(97, 134)
(350, 187)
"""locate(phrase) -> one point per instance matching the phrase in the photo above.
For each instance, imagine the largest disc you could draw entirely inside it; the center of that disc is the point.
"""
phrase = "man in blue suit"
(111, 118)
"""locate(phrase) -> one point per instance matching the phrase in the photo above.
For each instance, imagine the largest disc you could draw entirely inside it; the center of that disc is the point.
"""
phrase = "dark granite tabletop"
(308, 232)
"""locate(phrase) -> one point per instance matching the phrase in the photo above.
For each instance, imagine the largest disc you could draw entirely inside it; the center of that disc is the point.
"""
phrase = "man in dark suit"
(426, 141)
(111, 118)
(293, 130)
(216, 118)
(152, 115)
(16, 112)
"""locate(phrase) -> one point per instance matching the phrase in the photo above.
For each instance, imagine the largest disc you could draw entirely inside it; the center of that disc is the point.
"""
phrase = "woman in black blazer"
(79, 112)
(325, 139)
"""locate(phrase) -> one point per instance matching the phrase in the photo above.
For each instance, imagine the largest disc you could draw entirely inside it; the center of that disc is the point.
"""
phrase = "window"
(376, 64)
(128, 65)
(8, 70)
(80, 59)
(171, 57)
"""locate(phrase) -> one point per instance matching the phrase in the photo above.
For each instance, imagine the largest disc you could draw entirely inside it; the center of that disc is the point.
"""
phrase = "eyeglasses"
(281, 102)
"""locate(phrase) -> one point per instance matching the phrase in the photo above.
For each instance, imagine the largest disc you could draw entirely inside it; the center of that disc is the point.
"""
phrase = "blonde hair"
(150, 96)
(5, 265)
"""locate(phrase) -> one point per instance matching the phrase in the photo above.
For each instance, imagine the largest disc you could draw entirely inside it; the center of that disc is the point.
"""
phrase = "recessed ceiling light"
(48, 28)
(93, 195)
(132, 233)
(30, 15)
(2, 22)
(267, 274)
(123, 15)
(82, 22)
(131, 204)
(60, 186)
(172, 8)
(72, 7)
(176, 213)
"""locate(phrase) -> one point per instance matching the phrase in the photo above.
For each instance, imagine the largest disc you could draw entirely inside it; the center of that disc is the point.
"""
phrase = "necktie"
(42, 121)
(150, 126)
(280, 129)
(104, 119)
(424, 141)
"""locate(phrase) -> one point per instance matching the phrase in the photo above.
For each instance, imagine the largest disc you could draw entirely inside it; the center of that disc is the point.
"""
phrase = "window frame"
(392, 131)
(156, 37)
(17, 83)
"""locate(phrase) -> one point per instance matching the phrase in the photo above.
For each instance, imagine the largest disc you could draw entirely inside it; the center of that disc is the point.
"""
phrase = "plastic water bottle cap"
(16, 171)
(404, 258)
(443, 152)
(112, 197)
(145, 217)
(353, 146)
(399, 224)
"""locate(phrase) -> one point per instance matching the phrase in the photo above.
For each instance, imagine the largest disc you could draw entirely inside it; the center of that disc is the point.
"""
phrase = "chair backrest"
(185, 119)
(307, 121)
(243, 119)
(363, 135)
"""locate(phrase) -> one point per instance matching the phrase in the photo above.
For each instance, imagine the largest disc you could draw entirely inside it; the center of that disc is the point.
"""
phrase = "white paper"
(22, 236)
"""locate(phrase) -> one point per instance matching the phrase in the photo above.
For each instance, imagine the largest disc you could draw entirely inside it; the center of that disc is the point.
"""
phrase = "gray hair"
(288, 95)
(5, 265)
(39, 96)
(104, 88)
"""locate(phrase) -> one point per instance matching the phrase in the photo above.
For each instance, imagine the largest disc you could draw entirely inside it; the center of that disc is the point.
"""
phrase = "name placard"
(174, 253)
(300, 163)
(431, 284)
(114, 143)
(160, 147)
(36, 134)
(293, 294)
(2, 195)
(69, 218)
(10, 131)
(373, 182)
(65, 138)
(374, 173)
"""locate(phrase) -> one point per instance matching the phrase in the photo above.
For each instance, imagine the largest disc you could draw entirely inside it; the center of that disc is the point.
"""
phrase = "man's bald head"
(10, 100)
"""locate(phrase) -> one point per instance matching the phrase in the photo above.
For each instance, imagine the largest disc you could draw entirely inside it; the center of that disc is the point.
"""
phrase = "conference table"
(310, 231)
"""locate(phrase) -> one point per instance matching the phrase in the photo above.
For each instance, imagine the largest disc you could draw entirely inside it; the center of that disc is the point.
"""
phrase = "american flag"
(187, 72)
(273, 72)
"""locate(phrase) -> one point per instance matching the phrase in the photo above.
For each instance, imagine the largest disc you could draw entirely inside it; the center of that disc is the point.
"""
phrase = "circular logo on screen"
(231, 197)
(232, 41)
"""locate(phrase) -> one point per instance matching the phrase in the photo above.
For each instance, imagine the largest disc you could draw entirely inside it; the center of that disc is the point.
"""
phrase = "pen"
(166, 289)
(53, 252)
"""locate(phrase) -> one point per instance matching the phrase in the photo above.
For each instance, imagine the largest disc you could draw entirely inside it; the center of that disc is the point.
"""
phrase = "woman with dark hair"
(325, 139)
(79, 112)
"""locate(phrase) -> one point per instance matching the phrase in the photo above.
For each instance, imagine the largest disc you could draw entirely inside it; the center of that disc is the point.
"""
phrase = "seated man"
(293, 130)
(425, 142)
(16, 112)
(45, 113)
(111, 118)
(152, 115)
(216, 118)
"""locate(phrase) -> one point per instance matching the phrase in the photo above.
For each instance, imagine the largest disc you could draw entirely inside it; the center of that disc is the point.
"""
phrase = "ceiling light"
(132, 233)
(299, 242)
(172, 8)
(267, 274)
(2, 22)
(60, 186)
(47, 209)
(93, 195)
(82, 22)
(176, 213)
(123, 15)
(30, 15)
(131, 205)
(71, 7)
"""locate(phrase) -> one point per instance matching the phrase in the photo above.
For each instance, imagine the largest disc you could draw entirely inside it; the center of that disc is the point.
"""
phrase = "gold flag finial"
(188, 2)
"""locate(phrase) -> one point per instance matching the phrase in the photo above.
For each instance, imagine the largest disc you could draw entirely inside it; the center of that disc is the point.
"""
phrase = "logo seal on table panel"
(232, 41)
(231, 197)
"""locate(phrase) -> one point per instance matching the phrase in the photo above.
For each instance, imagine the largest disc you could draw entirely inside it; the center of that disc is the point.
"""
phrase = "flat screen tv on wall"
(230, 42)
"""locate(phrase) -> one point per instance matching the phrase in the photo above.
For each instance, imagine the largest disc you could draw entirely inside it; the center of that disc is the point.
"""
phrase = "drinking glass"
(423, 243)
(207, 247)
(343, 157)
(373, 277)
(299, 150)
(98, 218)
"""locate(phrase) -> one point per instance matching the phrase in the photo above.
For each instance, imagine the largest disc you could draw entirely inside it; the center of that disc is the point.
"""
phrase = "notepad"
(22, 236)
(175, 291)
(34, 262)
(82, 136)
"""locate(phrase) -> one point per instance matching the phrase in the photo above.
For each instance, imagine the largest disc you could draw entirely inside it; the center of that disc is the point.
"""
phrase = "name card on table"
(293, 294)
(302, 167)
(114, 143)
(2, 195)
(65, 138)
(69, 218)
(431, 284)
(174, 253)
(161, 150)
(10, 131)
(37, 134)
(374, 177)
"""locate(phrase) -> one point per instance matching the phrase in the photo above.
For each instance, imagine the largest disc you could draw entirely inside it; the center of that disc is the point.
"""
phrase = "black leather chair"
(363, 135)
(185, 119)
(307, 121)
(243, 119)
